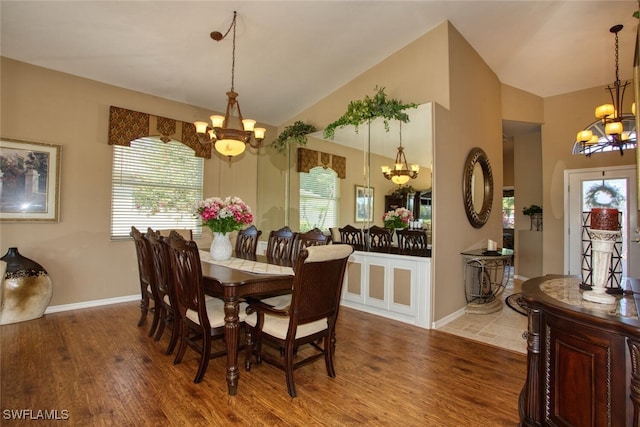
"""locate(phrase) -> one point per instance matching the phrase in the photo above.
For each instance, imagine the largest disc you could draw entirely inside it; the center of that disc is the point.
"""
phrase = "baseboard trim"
(450, 318)
(89, 304)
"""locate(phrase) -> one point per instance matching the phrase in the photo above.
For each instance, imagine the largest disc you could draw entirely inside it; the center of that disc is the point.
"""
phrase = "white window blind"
(154, 184)
(319, 199)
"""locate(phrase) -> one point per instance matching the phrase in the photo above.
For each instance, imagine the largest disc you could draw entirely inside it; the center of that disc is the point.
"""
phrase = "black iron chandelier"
(614, 130)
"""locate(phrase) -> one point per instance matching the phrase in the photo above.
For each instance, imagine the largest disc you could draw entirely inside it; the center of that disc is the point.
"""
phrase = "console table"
(486, 273)
(583, 358)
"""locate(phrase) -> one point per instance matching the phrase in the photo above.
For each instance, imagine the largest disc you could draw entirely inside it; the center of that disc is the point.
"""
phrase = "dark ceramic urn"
(26, 288)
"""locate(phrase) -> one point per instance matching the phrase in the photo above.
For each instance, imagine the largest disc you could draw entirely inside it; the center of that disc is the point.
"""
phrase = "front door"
(613, 187)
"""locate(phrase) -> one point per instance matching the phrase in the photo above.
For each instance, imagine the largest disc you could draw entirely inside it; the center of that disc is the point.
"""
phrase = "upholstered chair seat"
(278, 326)
(215, 313)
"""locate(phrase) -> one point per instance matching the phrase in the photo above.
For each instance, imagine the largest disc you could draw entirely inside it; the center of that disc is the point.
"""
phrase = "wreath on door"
(603, 196)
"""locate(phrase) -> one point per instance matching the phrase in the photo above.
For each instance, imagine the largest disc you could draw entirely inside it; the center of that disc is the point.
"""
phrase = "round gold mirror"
(477, 187)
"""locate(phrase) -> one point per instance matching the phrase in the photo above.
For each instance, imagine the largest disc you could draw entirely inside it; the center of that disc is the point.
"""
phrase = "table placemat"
(247, 265)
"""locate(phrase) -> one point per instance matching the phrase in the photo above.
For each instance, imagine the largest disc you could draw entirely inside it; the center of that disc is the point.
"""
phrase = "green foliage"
(292, 134)
(402, 190)
(368, 109)
(532, 210)
(12, 167)
(155, 200)
(159, 190)
(508, 203)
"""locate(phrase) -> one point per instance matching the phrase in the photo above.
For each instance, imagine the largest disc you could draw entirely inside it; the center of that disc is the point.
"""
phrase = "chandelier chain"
(614, 129)
(229, 139)
(617, 70)
(233, 53)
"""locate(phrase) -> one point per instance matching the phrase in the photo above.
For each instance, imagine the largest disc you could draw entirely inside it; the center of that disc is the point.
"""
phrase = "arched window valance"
(309, 159)
(128, 125)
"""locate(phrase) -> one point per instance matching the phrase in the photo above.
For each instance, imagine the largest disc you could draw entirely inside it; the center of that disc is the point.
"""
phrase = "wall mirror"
(477, 187)
(365, 152)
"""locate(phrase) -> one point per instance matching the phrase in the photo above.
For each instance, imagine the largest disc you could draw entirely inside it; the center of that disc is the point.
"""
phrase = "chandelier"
(613, 129)
(228, 140)
(400, 173)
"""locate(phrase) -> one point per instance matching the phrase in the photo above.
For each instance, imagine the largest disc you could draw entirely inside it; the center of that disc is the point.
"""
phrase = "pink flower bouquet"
(224, 215)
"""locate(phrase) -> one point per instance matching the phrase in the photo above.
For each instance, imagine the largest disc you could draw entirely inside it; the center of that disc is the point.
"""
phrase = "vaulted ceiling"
(291, 54)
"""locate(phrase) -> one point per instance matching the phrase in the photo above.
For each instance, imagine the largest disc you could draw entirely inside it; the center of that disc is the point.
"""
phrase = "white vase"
(602, 242)
(221, 248)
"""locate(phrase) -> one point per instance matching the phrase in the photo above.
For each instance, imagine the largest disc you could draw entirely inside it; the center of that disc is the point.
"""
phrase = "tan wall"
(416, 73)
(521, 106)
(474, 120)
(273, 191)
(46, 106)
(507, 163)
(528, 184)
(564, 115)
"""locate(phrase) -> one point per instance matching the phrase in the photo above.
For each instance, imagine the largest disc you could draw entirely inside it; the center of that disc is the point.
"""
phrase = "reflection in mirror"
(478, 187)
(365, 152)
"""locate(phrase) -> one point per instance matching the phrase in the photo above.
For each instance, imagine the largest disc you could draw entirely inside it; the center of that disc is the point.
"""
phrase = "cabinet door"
(393, 202)
(584, 375)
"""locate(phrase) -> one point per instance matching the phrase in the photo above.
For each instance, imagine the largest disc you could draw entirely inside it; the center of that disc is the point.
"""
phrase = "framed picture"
(364, 204)
(29, 181)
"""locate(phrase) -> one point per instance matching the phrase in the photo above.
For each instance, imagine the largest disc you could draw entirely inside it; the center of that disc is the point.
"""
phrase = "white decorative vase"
(221, 248)
(602, 242)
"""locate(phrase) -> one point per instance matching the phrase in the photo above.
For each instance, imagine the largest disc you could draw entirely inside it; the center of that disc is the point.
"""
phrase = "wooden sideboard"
(583, 358)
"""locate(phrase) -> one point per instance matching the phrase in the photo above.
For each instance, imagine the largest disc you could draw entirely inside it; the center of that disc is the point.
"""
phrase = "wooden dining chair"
(280, 243)
(351, 235)
(202, 319)
(150, 299)
(247, 241)
(412, 242)
(169, 316)
(186, 233)
(313, 237)
(308, 321)
(379, 239)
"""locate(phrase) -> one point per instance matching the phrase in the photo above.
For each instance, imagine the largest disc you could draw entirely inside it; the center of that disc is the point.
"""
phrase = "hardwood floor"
(98, 368)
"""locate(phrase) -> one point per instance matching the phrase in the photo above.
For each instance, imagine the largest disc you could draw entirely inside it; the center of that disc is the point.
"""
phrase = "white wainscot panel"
(393, 286)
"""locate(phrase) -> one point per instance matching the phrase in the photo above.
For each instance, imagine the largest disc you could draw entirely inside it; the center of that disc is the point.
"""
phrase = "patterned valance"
(309, 159)
(127, 125)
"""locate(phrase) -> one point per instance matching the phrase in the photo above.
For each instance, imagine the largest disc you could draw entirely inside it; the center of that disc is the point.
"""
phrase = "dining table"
(241, 276)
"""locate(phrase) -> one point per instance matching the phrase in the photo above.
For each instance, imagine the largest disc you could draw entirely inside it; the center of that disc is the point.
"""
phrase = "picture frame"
(364, 204)
(29, 181)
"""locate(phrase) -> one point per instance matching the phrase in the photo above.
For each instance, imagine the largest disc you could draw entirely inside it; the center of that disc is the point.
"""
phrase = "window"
(319, 195)
(154, 184)
(508, 214)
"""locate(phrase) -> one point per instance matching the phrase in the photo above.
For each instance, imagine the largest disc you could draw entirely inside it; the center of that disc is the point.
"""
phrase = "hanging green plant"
(402, 190)
(368, 109)
(292, 134)
(532, 210)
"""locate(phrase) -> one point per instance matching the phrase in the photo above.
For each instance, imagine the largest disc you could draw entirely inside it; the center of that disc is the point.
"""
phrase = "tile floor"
(504, 328)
